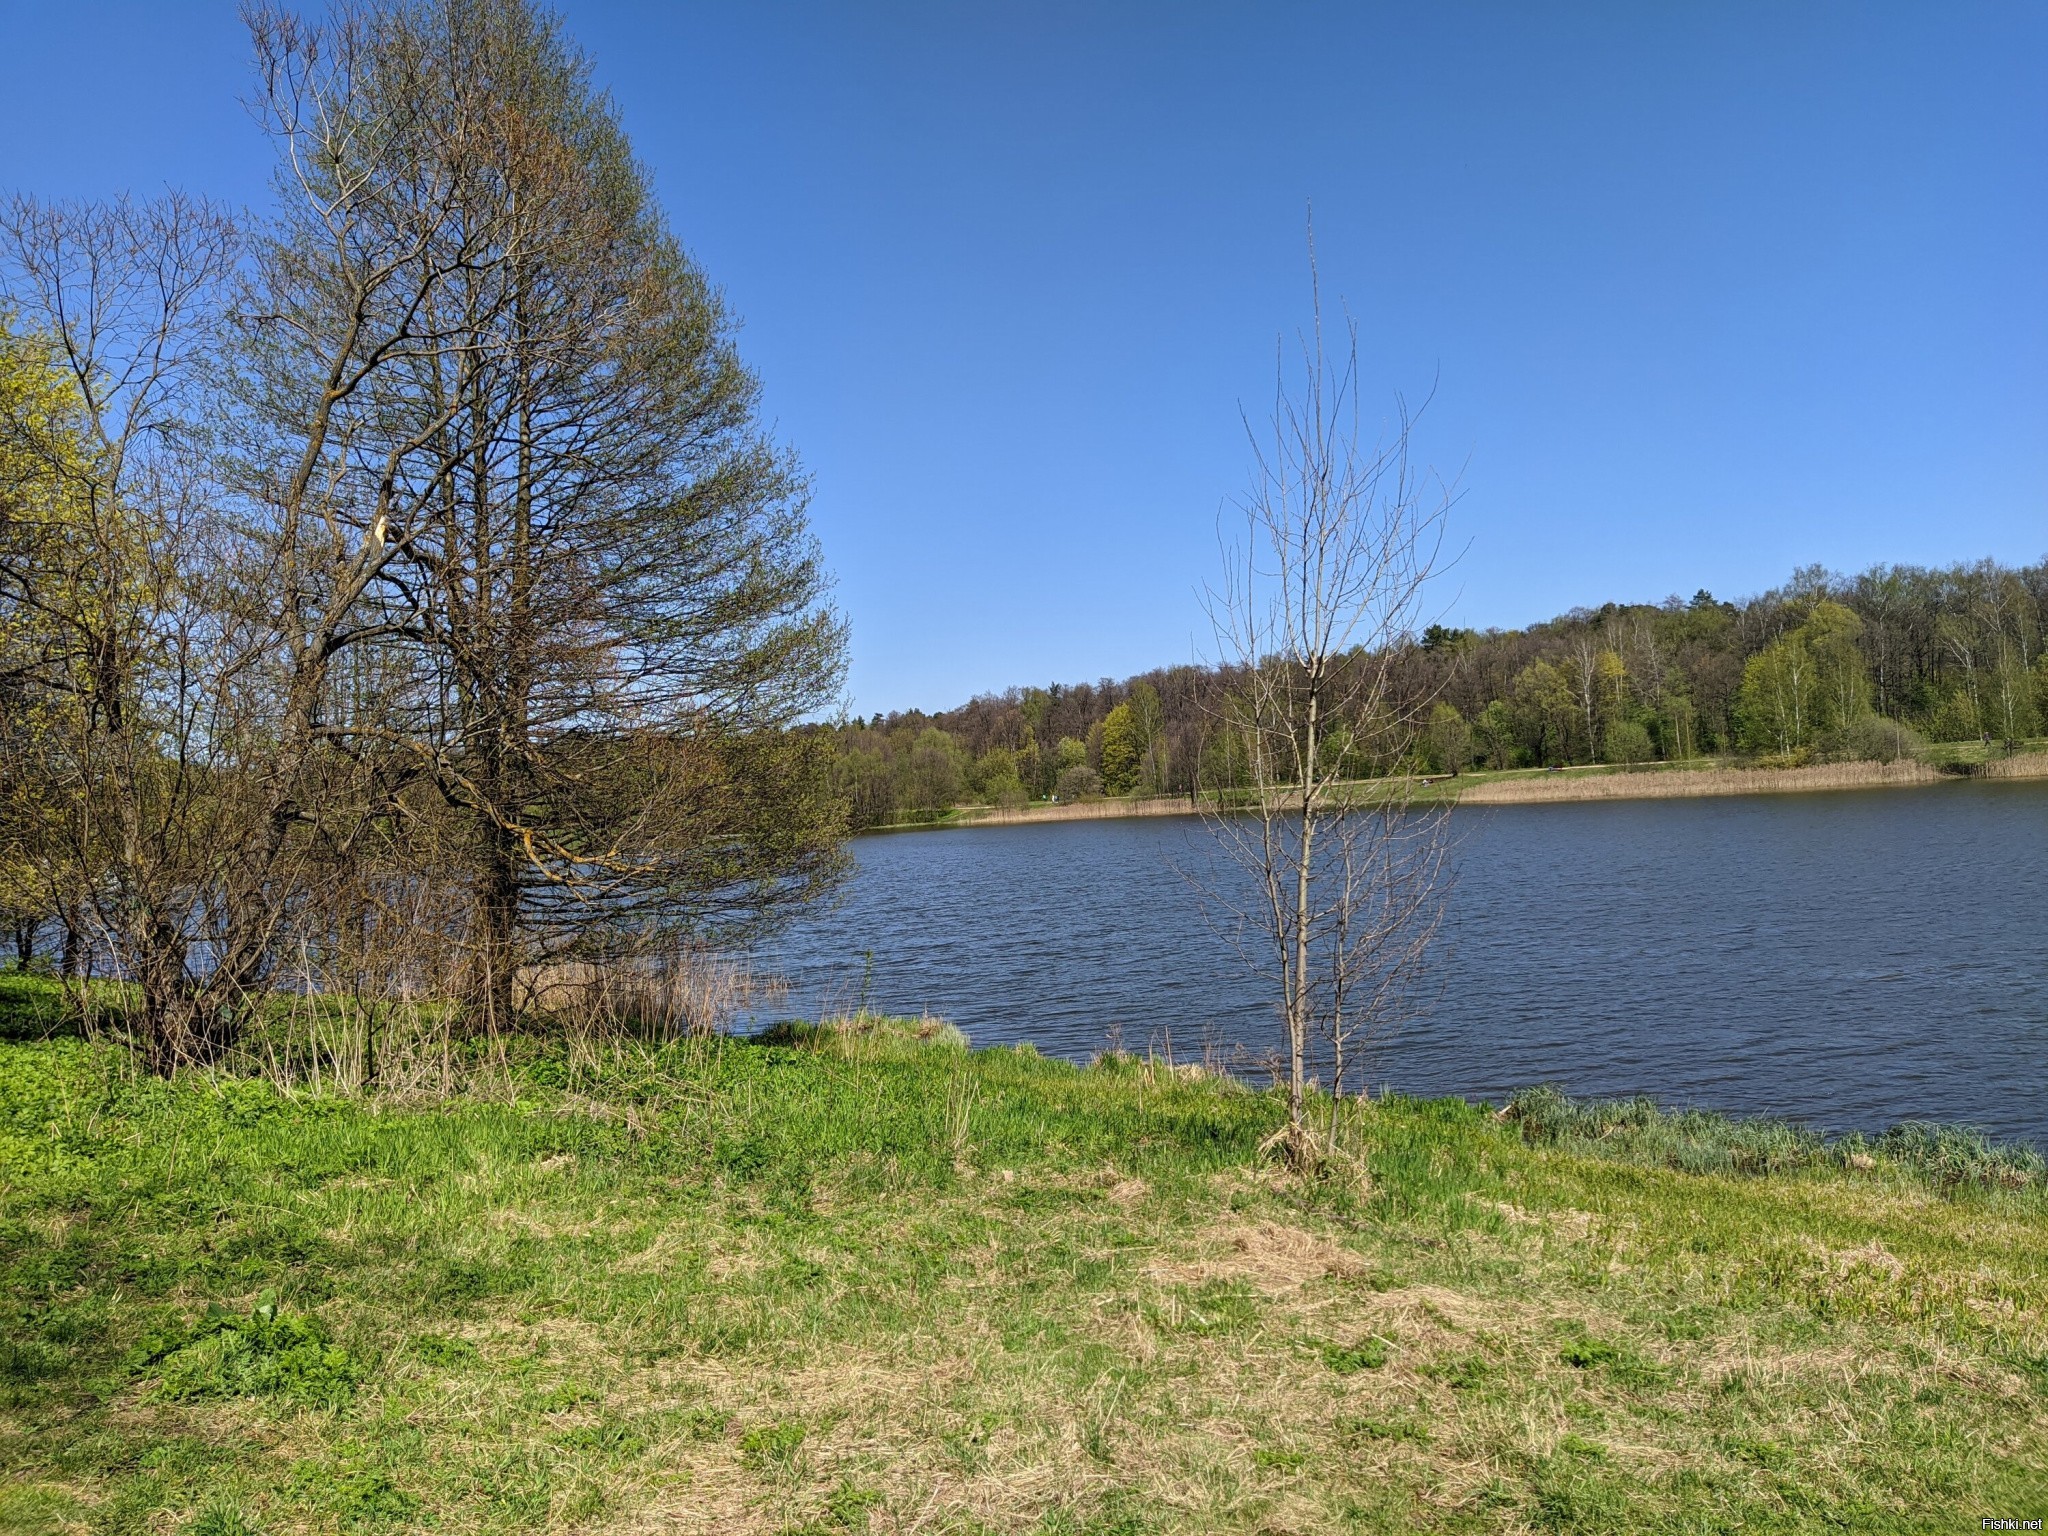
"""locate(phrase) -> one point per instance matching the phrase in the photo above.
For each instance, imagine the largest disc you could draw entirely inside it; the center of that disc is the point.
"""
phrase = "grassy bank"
(1944, 763)
(887, 1284)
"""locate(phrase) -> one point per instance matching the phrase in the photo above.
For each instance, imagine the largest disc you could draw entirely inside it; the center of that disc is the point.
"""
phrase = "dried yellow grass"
(1269, 1256)
(2025, 765)
(1077, 810)
(1685, 783)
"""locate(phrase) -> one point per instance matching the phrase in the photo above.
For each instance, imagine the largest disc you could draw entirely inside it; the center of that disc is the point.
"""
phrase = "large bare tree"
(601, 581)
(1324, 588)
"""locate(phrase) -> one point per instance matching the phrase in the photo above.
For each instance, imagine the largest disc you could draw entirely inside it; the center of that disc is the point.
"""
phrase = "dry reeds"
(1075, 810)
(1685, 783)
(862, 1035)
(356, 1033)
(2023, 765)
(683, 993)
(345, 1043)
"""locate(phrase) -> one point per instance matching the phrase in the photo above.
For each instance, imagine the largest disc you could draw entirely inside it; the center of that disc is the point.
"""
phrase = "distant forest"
(1826, 667)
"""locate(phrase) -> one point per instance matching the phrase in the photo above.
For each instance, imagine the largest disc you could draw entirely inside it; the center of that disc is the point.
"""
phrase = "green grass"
(856, 1282)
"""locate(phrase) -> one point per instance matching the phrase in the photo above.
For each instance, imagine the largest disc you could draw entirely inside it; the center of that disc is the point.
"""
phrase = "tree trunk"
(497, 918)
(181, 1026)
(1298, 1014)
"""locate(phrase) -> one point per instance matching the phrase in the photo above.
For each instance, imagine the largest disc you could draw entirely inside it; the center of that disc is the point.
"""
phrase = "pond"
(1845, 959)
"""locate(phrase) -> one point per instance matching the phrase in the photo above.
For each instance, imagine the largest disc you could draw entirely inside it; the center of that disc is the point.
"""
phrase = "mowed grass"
(888, 1286)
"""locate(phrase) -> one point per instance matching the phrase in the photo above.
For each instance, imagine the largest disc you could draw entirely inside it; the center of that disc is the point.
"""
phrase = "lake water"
(1845, 959)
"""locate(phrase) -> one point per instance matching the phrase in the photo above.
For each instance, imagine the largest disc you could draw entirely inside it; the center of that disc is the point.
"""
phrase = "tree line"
(1826, 666)
(398, 592)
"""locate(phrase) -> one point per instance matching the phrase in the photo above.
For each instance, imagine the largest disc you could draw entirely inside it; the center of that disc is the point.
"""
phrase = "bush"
(1956, 718)
(1874, 739)
(1628, 741)
(1077, 783)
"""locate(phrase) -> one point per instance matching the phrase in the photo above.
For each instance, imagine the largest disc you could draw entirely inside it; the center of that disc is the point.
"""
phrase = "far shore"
(1537, 786)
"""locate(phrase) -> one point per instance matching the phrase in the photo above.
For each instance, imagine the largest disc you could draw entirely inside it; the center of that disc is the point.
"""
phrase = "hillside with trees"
(1827, 667)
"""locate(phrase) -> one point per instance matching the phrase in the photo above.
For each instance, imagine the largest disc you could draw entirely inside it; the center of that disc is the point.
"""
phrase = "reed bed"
(1685, 783)
(1077, 810)
(2022, 765)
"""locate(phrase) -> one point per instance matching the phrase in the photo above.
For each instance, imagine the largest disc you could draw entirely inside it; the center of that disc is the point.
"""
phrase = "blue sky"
(1708, 290)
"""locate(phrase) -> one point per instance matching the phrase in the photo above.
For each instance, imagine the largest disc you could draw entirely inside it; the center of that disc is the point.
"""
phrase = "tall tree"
(601, 588)
(1122, 750)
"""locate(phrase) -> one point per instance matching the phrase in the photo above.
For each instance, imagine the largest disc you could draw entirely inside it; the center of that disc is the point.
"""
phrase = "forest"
(1826, 667)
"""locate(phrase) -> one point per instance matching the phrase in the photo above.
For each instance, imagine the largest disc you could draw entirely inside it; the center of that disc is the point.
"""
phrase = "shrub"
(1956, 718)
(1874, 739)
(1077, 783)
(1628, 741)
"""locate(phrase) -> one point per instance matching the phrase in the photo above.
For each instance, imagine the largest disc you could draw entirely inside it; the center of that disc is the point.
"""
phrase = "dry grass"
(2022, 765)
(1077, 810)
(1607, 785)
(674, 995)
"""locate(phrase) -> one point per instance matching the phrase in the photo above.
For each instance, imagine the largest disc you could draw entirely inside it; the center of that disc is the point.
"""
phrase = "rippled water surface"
(1846, 959)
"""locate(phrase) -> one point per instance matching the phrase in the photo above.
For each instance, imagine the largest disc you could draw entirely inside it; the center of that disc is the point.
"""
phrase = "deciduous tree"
(1322, 594)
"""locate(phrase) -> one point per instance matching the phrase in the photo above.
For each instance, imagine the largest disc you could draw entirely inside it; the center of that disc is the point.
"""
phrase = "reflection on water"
(1849, 959)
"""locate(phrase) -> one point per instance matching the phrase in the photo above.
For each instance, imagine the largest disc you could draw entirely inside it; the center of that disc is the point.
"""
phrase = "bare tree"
(193, 612)
(1322, 594)
(601, 589)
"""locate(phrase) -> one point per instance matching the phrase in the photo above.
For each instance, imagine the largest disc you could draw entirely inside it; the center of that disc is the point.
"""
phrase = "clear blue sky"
(1712, 290)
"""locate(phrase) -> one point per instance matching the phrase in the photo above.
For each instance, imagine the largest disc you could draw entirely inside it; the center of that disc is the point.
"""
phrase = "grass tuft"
(265, 1354)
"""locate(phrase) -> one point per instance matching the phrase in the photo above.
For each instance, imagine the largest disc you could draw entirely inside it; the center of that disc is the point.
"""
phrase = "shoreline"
(1535, 786)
